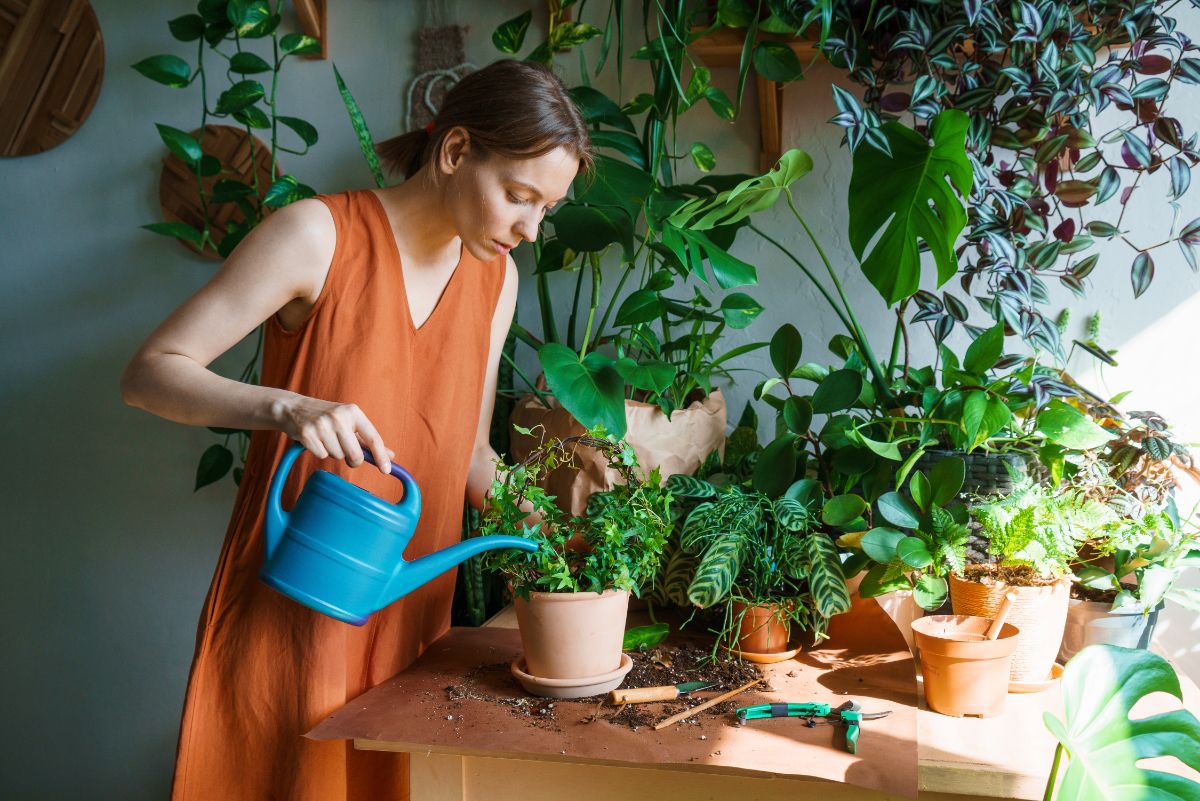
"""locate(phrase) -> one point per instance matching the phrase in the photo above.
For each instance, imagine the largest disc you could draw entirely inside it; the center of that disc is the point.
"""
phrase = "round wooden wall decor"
(51, 68)
(177, 187)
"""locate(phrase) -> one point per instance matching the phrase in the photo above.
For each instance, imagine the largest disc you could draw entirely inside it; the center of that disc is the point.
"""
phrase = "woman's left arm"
(483, 459)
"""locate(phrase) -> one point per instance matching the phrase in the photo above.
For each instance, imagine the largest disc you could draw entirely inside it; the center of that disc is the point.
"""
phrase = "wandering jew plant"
(1034, 78)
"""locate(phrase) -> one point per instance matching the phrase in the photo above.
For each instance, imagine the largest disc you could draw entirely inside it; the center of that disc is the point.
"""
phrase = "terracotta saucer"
(571, 688)
(766, 659)
(1037, 686)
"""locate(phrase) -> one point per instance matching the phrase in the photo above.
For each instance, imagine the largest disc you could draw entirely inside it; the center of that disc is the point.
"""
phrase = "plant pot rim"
(1025, 588)
(562, 597)
(1109, 610)
(998, 648)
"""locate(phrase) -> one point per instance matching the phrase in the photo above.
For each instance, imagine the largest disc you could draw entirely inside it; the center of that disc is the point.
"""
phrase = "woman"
(386, 312)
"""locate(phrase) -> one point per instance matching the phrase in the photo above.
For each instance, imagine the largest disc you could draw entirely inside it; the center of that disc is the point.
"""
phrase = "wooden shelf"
(723, 48)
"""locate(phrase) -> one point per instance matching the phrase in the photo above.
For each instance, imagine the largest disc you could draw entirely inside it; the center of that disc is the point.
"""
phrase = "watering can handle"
(277, 519)
(412, 493)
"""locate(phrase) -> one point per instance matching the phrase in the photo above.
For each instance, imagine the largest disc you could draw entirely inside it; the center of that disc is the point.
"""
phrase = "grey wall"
(108, 552)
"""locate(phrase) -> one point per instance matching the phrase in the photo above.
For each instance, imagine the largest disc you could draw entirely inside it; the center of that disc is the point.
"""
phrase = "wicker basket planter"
(1039, 612)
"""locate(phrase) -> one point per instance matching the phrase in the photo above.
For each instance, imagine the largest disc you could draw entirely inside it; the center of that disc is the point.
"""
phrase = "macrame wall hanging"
(441, 63)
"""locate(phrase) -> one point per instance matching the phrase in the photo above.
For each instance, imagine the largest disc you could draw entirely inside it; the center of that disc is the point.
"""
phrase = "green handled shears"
(848, 714)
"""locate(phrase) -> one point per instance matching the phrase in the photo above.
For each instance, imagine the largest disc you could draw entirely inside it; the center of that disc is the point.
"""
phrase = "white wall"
(109, 551)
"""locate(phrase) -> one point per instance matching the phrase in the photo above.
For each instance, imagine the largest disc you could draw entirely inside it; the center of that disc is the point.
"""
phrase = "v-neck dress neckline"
(444, 298)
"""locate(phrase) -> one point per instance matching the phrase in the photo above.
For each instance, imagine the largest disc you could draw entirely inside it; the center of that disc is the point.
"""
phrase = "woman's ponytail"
(515, 109)
(404, 154)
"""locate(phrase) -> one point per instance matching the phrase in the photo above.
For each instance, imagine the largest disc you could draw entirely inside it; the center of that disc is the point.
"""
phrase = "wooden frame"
(723, 48)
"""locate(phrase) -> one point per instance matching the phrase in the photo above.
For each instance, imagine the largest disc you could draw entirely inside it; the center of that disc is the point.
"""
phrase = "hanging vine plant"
(1034, 78)
(222, 31)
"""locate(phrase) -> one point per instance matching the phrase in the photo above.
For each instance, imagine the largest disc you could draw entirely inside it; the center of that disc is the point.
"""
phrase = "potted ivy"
(571, 595)
(765, 562)
(1034, 534)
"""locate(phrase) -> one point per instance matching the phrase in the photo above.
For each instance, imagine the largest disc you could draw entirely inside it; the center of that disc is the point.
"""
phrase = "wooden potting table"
(473, 753)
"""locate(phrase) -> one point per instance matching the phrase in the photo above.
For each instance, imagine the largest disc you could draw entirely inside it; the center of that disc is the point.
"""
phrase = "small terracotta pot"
(964, 677)
(764, 628)
(572, 635)
(1039, 612)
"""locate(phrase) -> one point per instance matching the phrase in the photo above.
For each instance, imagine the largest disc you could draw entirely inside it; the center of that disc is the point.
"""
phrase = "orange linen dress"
(267, 669)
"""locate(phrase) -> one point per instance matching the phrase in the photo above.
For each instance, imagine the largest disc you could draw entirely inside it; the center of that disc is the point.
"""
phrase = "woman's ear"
(456, 145)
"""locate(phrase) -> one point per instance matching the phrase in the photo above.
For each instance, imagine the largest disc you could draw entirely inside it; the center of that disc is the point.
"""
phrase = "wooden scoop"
(998, 621)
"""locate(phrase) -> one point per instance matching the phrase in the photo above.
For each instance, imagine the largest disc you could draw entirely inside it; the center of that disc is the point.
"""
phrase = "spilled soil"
(665, 664)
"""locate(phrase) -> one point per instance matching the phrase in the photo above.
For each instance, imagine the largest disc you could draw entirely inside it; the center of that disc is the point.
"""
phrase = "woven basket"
(1039, 612)
(987, 473)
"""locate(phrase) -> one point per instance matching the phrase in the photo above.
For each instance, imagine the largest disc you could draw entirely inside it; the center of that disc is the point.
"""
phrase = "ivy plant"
(222, 31)
(622, 533)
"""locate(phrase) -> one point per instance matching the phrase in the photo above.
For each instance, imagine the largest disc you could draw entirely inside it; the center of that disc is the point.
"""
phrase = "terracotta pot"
(964, 678)
(678, 445)
(764, 628)
(1039, 612)
(1089, 622)
(572, 635)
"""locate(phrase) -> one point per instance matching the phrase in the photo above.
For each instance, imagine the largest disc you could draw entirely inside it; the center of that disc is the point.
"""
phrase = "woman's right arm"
(286, 257)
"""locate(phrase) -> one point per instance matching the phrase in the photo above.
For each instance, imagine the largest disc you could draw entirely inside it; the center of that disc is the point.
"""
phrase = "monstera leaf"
(905, 198)
(1103, 745)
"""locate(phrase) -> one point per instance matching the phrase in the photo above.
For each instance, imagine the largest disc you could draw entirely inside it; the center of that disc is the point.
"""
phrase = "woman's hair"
(517, 109)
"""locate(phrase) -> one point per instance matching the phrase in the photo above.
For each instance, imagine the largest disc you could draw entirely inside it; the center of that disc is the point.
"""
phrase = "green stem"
(820, 287)
(595, 301)
(1058, 752)
(571, 320)
(549, 327)
(861, 337)
(541, 396)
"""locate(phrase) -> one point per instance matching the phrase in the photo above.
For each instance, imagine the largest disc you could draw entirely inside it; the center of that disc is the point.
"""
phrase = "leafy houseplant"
(223, 30)
(656, 339)
(1034, 533)
(925, 540)
(572, 593)
(750, 550)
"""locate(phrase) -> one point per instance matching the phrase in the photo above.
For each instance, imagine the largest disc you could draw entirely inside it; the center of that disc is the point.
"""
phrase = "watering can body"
(340, 550)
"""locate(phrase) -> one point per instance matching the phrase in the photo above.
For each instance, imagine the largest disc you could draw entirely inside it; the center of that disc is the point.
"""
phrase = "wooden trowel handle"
(998, 621)
(644, 695)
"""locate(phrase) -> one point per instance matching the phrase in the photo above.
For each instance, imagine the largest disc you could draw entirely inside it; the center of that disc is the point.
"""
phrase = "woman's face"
(496, 202)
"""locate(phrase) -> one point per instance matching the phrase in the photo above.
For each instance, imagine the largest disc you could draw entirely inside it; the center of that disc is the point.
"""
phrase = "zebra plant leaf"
(690, 487)
(699, 526)
(680, 571)
(826, 583)
(718, 568)
(791, 514)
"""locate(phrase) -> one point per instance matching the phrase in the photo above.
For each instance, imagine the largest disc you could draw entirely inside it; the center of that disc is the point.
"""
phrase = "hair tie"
(429, 128)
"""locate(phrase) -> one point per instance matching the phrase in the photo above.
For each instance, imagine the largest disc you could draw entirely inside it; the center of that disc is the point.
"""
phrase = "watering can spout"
(410, 575)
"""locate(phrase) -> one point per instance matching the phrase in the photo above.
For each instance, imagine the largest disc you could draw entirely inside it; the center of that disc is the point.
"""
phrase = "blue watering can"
(340, 550)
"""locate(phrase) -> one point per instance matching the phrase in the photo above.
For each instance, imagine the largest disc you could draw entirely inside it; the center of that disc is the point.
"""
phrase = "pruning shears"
(849, 714)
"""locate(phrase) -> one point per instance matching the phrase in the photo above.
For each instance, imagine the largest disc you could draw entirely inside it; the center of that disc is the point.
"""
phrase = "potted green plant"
(639, 346)
(571, 594)
(1128, 567)
(1034, 534)
(766, 561)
